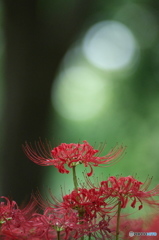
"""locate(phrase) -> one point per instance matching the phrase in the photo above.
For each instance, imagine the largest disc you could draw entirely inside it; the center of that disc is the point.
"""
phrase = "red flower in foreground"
(83, 212)
(128, 188)
(64, 221)
(71, 155)
(88, 202)
(17, 224)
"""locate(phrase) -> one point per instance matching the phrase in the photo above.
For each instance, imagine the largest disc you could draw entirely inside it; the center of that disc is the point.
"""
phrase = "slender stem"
(89, 236)
(58, 235)
(76, 187)
(118, 220)
(75, 178)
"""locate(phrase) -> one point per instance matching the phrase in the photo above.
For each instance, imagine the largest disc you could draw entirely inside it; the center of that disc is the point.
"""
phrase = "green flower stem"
(118, 220)
(76, 188)
(58, 235)
(89, 236)
(75, 178)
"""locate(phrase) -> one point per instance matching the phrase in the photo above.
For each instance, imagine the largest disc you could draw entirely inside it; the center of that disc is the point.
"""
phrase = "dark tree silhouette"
(34, 47)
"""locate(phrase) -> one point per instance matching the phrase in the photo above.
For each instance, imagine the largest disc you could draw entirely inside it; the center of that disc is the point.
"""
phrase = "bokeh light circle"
(110, 45)
(79, 93)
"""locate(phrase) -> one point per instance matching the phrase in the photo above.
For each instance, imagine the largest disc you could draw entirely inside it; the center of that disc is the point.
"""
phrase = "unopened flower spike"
(71, 155)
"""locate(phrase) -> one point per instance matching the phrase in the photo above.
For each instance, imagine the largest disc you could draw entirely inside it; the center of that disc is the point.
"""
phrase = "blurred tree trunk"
(34, 49)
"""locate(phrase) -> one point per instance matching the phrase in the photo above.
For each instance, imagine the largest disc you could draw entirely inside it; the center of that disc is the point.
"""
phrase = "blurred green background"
(74, 71)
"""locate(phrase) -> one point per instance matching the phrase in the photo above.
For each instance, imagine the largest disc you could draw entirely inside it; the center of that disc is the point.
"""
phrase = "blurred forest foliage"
(73, 71)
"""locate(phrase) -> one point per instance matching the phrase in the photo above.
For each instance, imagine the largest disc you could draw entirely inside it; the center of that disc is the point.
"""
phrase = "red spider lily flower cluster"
(81, 213)
(16, 223)
(129, 188)
(71, 155)
(93, 212)
(87, 212)
(88, 202)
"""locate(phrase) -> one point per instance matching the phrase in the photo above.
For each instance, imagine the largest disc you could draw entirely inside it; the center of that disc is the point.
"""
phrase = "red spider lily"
(126, 188)
(79, 214)
(7, 209)
(60, 218)
(88, 202)
(16, 223)
(98, 228)
(64, 221)
(71, 155)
